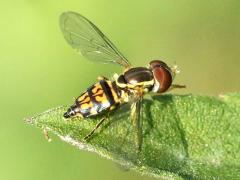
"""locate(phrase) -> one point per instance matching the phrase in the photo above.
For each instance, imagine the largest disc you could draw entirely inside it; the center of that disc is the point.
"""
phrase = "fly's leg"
(99, 124)
(176, 86)
(137, 122)
(96, 127)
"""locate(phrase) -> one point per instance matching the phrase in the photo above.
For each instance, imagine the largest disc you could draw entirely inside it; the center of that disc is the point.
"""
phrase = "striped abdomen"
(103, 95)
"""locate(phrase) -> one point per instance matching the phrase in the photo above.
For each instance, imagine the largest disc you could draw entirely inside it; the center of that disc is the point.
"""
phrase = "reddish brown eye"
(157, 63)
(162, 74)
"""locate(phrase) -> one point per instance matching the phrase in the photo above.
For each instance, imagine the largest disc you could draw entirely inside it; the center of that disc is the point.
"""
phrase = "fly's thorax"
(135, 79)
(125, 96)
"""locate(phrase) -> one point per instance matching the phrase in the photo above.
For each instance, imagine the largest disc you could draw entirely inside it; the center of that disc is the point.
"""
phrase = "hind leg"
(95, 128)
(99, 123)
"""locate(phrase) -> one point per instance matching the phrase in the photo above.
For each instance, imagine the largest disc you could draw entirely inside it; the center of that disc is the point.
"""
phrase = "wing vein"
(84, 36)
(92, 42)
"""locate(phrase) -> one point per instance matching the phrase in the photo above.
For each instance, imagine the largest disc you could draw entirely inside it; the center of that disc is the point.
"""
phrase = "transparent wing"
(87, 39)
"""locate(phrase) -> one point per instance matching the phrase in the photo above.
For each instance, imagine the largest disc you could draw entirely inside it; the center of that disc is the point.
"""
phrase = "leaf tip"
(28, 120)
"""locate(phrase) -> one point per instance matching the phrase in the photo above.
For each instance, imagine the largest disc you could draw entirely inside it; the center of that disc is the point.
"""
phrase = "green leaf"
(184, 136)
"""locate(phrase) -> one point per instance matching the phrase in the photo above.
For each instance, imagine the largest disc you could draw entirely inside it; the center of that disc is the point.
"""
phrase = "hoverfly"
(128, 87)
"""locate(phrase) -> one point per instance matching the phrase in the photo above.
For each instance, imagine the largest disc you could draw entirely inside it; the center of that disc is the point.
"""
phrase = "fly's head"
(163, 75)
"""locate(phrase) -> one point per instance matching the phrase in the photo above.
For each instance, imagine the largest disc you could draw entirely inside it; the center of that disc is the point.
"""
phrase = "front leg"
(176, 86)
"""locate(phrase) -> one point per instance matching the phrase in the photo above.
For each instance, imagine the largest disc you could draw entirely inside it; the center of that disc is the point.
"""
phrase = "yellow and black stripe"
(103, 95)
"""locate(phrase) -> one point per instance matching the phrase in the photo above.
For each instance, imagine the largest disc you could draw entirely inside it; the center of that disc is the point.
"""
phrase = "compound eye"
(157, 63)
(162, 74)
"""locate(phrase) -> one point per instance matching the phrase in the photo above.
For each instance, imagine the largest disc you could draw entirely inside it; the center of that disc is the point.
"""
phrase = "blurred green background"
(39, 70)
